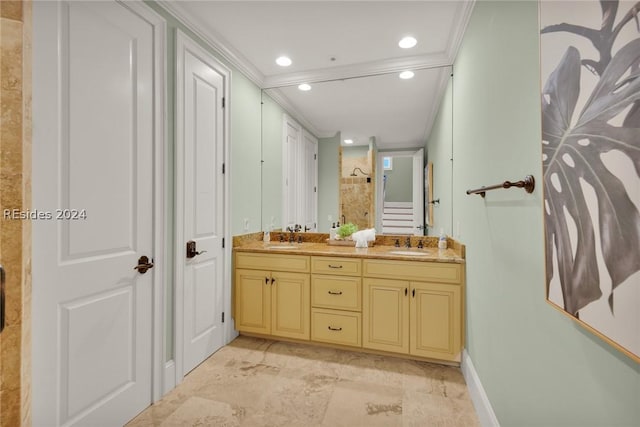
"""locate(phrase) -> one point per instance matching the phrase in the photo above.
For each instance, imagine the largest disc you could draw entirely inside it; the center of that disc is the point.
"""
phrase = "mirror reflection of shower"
(357, 191)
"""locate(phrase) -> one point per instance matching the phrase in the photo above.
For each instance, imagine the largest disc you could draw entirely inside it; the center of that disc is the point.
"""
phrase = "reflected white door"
(309, 194)
(418, 192)
(291, 172)
(200, 179)
(93, 145)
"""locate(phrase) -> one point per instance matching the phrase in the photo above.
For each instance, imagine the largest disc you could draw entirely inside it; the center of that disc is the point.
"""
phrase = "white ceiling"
(363, 38)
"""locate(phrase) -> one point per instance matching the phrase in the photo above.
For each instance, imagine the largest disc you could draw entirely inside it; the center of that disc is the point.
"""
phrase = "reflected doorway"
(400, 193)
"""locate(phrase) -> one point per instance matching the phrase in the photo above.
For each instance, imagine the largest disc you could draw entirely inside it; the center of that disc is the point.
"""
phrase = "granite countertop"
(427, 254)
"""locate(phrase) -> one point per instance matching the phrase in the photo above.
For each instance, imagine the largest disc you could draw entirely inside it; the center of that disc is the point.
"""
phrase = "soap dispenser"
(333, 232)
(442, 240)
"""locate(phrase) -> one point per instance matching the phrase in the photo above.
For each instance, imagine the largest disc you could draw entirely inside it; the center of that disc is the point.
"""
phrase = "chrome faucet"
(407, 243)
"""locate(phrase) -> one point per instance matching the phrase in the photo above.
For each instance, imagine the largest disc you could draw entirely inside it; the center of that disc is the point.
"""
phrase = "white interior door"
(200, 157)
(291, 184)
(418, 192)
(309, 194)
(93, 182)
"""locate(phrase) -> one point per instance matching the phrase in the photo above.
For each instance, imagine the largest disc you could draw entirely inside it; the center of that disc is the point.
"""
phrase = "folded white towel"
(363, 236)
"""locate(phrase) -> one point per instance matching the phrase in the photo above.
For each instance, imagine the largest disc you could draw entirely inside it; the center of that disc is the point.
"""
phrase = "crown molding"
(235, 58)
(215, 41)
(363, 69)
(465, 9)
(283, 101)
(443, 81)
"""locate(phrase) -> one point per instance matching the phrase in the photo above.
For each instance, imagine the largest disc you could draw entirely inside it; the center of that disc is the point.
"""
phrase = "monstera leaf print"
(572, 150)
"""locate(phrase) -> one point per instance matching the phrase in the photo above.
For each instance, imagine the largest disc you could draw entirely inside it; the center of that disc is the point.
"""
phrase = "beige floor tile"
(294, 401)
(197, 411)
(262, 383)
(441, 380)
(360, 404)
(421, 408)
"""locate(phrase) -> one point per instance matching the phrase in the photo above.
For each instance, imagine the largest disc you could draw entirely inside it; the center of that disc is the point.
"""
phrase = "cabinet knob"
(334, 329)
(335, 293)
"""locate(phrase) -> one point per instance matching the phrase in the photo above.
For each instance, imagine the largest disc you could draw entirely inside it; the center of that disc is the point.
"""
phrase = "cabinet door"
(385, 315)
(253, 301)
(436, 319)
(291, 305)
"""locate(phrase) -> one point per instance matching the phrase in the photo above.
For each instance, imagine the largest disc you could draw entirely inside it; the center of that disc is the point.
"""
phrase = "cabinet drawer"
(441, 272)
(341, 266)
(339, 292)
(336, 327)
(273, 262)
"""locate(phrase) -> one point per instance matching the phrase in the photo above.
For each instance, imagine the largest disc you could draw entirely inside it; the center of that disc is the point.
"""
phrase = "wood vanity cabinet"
(336, 300)
(413, 308)
(404, 307)
(272, 294)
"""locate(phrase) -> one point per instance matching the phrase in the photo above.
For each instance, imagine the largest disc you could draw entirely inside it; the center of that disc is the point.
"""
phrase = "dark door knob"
(143, 265)
(191, 249)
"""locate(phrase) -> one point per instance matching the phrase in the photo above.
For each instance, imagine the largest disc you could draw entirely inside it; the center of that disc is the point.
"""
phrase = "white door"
(418, 193)
(200, 178)
(309, 194)
(93, 157)
(291, 172)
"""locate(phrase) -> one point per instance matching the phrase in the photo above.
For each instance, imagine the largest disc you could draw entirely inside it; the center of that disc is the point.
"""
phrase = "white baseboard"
(169, 377)
(485, 413)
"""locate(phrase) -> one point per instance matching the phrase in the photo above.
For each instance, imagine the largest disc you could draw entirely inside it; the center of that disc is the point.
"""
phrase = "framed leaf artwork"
(590, 75)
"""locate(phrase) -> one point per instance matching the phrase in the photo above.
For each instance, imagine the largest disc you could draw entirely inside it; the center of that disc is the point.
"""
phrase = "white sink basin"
(409, 253)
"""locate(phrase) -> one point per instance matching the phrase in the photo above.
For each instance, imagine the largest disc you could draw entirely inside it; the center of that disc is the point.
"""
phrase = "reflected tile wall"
(15, 193)
(356, 194)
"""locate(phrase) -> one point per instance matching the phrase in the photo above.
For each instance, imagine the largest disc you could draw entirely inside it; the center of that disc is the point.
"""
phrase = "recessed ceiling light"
(406, 75)
(407, 42)
(348, 141)
(304, 86)
(283, 61)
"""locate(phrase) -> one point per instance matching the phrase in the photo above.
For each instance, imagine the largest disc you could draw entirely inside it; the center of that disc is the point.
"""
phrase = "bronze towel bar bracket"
(528, 183)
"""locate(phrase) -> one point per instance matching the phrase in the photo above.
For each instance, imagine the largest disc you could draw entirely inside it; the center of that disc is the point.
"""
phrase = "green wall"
(328, 182)
(399, 187)
(272, 125)
(438, 150)
(246, 194)
(538, 367)
(355, 151)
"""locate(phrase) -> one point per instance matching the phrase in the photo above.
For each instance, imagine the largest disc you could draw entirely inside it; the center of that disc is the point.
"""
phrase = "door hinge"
(224, 168)
(223, 243)
(223, 317)
(315, 189)
(315, 157)
(223, 103)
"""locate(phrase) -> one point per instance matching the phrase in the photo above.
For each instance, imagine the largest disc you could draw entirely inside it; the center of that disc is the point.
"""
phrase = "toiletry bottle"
(333, 231)
(442, 241)
(267, 237)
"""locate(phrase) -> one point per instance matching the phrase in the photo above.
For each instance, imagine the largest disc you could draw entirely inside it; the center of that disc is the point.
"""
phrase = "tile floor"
(257, 382)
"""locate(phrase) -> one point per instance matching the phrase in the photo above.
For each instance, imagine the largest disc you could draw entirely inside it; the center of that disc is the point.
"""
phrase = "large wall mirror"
(358, 150)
